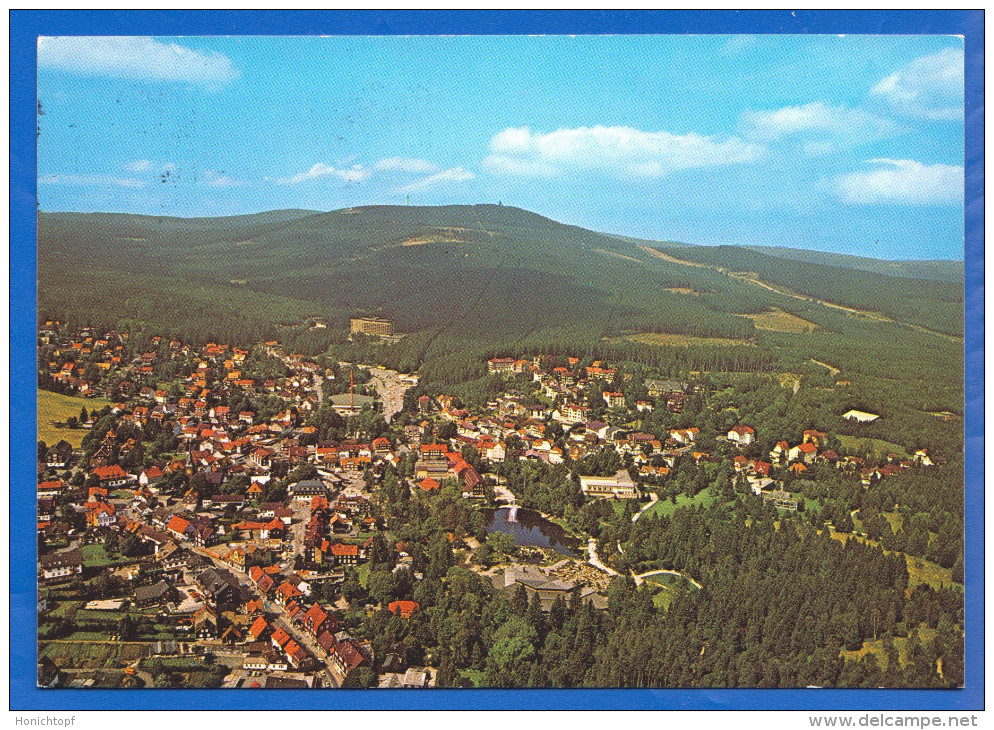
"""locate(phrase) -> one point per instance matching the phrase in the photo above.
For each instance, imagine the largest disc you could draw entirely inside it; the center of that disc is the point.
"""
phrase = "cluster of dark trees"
(782, 603)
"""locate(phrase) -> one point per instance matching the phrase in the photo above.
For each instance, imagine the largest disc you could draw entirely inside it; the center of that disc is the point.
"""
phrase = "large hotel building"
(372, 326)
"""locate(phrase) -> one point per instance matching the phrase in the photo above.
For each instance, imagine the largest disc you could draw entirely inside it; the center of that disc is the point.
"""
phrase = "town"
(247, 517)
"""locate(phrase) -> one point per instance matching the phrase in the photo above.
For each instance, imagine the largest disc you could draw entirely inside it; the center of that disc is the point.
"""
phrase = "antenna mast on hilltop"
(408, 199)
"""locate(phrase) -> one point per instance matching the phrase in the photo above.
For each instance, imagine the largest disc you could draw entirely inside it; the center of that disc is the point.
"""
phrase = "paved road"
(282, 620)
(640, 579)
(596, 561)
(652, 500)
(391, 390)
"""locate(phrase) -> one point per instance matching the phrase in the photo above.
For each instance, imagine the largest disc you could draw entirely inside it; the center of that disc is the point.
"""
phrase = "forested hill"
(935, 305)
(423, 265)
(936, 270)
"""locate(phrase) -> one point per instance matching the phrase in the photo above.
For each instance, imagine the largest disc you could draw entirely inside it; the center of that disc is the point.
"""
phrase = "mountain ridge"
(949, 270)
(427, 266)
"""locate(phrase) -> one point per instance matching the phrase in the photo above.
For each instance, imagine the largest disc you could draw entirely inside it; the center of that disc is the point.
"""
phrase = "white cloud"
(823, 127)
(139, 166)
(454, 174)
(619, 151)
(906, 182)
(134, 58)
(215, 179)
(406, 164)
(356, 173)
(121, 182)
(930, 87)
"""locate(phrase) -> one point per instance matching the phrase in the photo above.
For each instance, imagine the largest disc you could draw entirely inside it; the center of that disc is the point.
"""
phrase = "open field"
(95, 556)
(91, 656)
(665, 507)
(57, 407)
(778, 320)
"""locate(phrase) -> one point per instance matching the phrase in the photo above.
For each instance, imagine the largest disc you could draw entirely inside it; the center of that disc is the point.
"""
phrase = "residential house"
(112, 476)
(742, 435)
(61, 566)
(59, 456)
(805, 452)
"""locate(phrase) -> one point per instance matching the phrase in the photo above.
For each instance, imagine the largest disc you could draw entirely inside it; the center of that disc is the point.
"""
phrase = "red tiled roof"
(403, 608)
(258, 627)
(110, 472)
(288, 590)
(315, 617)
(350, 655)
(177, 524)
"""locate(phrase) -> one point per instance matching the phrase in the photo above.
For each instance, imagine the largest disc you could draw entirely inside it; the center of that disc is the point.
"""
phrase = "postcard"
(500, 362)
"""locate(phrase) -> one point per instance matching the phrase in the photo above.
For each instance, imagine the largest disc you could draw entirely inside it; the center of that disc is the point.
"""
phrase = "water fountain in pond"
(529, 528)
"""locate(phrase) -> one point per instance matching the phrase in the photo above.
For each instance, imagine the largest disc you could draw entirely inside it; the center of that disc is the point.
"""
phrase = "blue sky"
(852, 144)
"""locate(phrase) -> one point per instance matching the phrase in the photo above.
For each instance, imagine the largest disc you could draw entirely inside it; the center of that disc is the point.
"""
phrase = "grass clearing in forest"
(473, 675)
(666, 508)
(920, 571)
(662, 597)
(896, 520)
(54, 407)
(778, 320)
(923, 572)
(879, 650)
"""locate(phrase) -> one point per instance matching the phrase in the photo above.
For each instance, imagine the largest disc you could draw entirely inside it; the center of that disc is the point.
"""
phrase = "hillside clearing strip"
(833, 371)
(753, 278)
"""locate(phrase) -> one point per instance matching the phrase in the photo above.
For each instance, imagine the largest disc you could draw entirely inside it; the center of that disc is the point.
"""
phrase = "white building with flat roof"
(620, 486)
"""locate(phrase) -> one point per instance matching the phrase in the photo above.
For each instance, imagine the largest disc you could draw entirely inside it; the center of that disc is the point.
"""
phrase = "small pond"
(529, 528)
